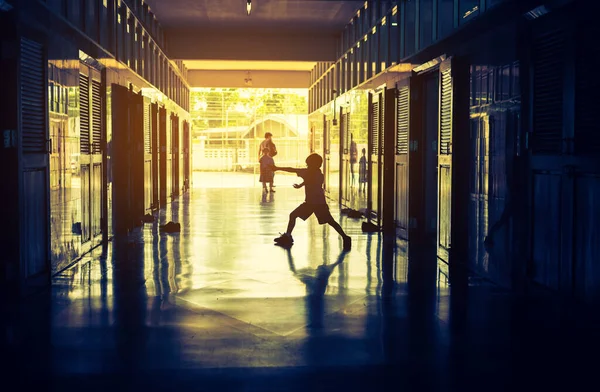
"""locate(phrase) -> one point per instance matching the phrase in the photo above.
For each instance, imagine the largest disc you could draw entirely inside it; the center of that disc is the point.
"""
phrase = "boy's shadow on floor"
(316, 281)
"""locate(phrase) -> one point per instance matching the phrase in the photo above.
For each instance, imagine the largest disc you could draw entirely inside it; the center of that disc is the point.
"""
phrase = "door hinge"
(10, 138)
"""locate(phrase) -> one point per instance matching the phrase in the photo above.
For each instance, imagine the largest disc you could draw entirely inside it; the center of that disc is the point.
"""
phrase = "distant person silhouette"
(269, 144)
(314, 202)
(353, 160)
(362, 172)
(266, 170)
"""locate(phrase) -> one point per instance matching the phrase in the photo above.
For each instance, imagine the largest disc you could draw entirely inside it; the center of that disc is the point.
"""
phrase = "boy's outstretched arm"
(287, 169)
(298, 186)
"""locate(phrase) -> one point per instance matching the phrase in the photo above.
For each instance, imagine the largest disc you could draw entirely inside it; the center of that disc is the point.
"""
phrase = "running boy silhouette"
(314, 203)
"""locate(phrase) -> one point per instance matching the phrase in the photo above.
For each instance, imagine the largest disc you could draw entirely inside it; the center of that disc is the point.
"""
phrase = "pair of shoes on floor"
(285, 240)
(171, 227)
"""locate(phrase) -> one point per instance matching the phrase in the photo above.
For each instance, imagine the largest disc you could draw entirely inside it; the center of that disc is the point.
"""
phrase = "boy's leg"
(337, 227)
(291, 223)
(345, 237)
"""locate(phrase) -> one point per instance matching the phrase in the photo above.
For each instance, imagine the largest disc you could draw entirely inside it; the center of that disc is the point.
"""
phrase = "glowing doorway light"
(248, 6)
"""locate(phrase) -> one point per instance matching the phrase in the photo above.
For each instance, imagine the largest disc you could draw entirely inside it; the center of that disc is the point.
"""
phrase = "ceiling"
(231, 65)
(288, 14)
(280, 41)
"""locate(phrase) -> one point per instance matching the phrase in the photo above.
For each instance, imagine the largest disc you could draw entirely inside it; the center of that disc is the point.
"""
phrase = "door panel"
(445, 160)
(344, 157)
(85, 152)
(402, 144)
(96, 199)
(326, 153)
(85, 203)
(35, 230)
(148, 187)
(175, 158)
(374, 166)
(155, 152)
(35, 159)
(164, 184)
(423, 155)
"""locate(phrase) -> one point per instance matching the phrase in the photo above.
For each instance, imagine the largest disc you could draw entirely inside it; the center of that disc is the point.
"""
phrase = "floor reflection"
(219, 294)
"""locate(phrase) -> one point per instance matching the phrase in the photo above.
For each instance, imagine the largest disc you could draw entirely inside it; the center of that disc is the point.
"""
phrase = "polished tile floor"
(218, 306)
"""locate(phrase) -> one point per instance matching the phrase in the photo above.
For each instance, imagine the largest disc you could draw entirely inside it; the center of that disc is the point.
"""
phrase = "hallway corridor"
(218, 306)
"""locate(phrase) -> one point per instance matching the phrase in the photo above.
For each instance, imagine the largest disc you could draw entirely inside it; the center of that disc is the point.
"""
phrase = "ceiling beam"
(251, 44)
(259, 79)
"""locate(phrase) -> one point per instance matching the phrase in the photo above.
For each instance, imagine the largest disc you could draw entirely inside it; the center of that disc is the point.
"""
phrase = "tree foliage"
(222, 107)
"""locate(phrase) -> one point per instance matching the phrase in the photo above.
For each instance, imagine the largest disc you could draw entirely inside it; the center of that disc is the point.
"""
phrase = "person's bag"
(273, 149)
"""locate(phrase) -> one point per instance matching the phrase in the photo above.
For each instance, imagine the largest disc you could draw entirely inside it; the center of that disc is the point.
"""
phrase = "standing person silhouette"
(353, 159)
(266, 170)
(314, 202)
(362, 172)
(268, 144)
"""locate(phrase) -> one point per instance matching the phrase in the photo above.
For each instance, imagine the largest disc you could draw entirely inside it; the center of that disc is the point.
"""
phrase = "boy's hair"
(363, 150)
(314, 160)
(268, 134)
(266, 151)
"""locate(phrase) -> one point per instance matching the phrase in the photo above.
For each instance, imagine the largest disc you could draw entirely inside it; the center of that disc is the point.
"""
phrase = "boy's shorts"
(321, 211)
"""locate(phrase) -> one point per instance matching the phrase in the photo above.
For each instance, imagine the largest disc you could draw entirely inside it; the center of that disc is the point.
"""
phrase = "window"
(426, 23)
(409, 27)
(467, 10)
(394, 28)
(445, 18)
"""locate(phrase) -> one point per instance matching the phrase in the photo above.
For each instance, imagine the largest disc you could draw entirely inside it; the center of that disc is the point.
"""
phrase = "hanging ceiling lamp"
(248, 6)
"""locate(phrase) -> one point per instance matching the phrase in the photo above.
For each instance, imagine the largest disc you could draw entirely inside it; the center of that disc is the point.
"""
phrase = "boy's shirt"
(313, 186)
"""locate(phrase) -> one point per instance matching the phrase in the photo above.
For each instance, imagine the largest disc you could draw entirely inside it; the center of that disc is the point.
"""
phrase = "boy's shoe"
(284, 239)
(347, 242)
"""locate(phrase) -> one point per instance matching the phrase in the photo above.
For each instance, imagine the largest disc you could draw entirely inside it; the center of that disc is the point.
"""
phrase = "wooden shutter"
(587, 85)
(402, 109)
(548, 78)
(375, 128)
(147, 129)
(33, 108)
(381, 123)
(446, 111)
(84, 113)
(96, 117)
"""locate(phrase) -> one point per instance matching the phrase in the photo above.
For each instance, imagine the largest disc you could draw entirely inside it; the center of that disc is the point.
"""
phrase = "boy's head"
(364, 151)
(266, 151)
(314, 161)
(268, 135)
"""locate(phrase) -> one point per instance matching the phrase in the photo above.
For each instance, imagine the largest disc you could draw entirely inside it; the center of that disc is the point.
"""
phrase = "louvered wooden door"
(162, 157)
(186, 155)
(550, 143)
(85, 151)
(91, 119)
(175, 156)
(35, 158)
(148, 180)
(445, 160)
(345, 180)
(375, 164)
(564, 145)
(326, 154)
(155, 152)
(402, 146)
(136, 129)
